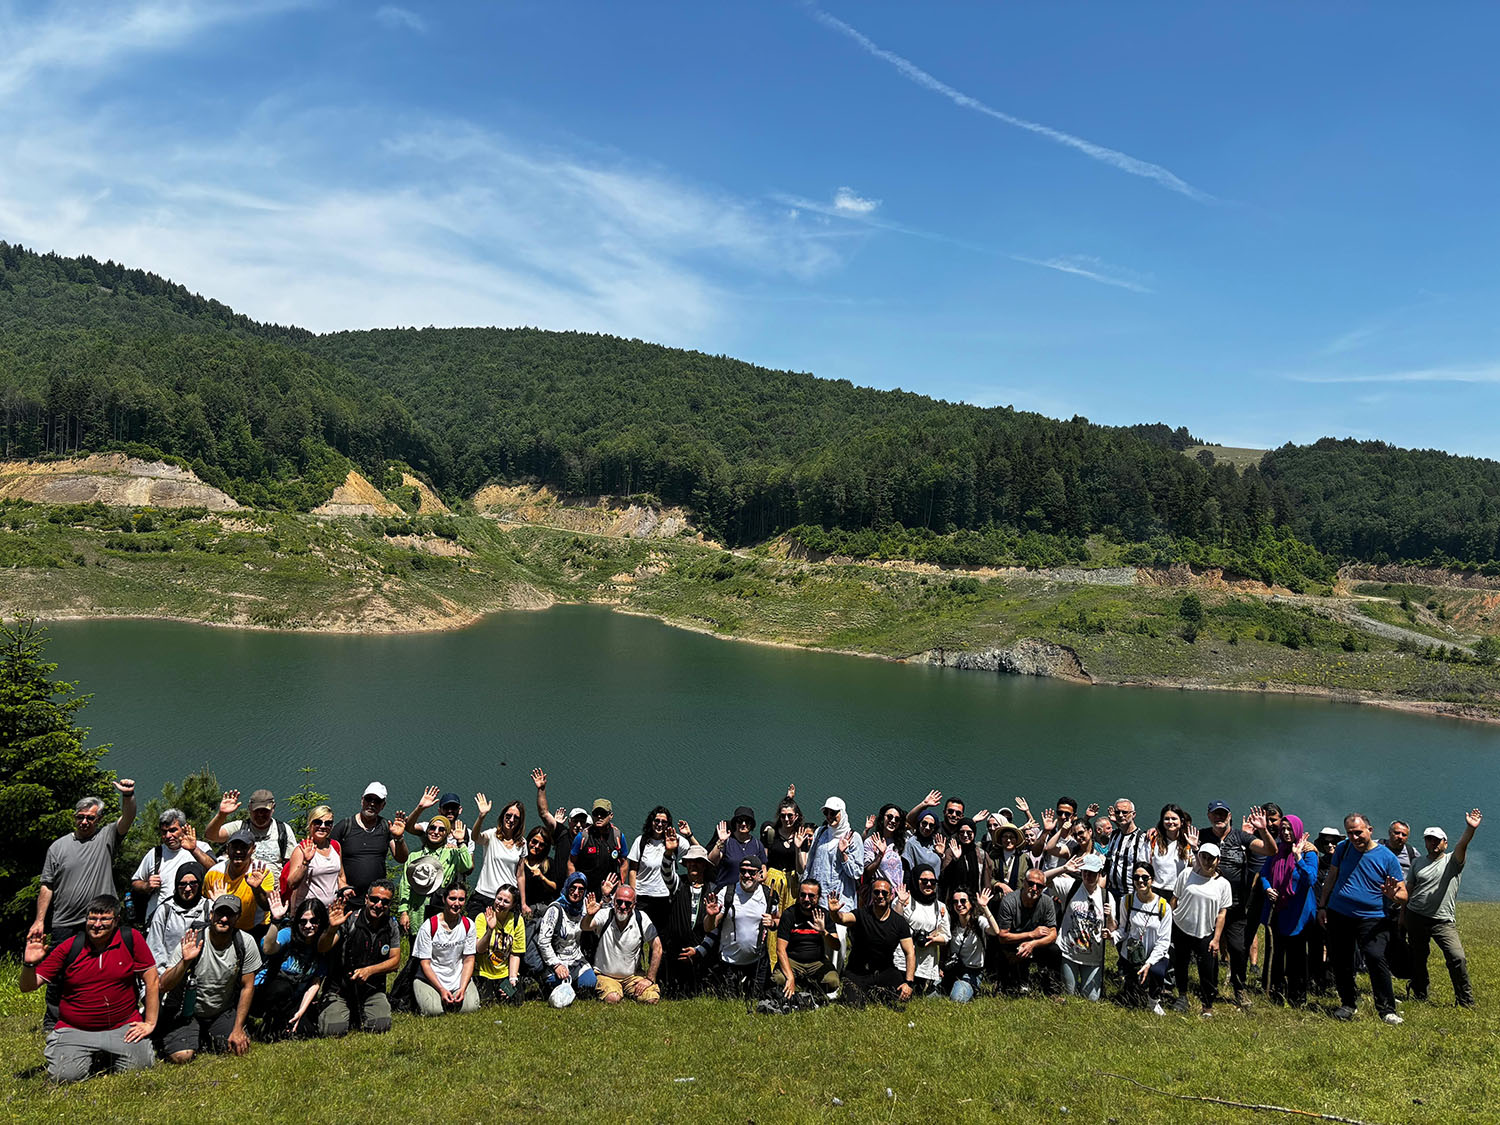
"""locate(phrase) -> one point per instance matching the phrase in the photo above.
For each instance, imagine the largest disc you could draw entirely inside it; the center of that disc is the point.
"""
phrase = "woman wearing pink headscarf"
(1288, 879)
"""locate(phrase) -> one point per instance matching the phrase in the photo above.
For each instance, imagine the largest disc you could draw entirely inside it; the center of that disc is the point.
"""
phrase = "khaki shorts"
(617, 986)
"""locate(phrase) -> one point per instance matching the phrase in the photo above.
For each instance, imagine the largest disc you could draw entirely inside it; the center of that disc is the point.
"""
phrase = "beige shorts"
(617, 986)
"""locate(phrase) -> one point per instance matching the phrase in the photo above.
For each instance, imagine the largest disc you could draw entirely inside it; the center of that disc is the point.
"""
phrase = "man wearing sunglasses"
(628, 959)
(876, 933)
(599, 851)
(803, 948)
(366, 838)
(369, 944)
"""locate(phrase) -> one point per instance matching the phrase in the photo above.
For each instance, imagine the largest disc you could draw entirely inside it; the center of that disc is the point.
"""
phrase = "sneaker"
(1180, 1004)
(1343, 1013)
(1207, 1014)
(1158, 1010)
(1392, 1018)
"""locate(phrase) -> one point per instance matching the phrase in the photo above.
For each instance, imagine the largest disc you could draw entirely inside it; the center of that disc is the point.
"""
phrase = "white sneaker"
(1158, 1011)
(1392, 1018)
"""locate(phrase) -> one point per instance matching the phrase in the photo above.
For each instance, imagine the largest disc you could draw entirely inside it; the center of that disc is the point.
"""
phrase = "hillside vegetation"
(96, 356)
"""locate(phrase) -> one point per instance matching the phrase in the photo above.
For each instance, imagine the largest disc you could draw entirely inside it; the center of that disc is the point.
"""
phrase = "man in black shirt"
(1240, 856)
(365, 839)
(875, 933)
(802, 947)
(368, 945)
(1028, 935)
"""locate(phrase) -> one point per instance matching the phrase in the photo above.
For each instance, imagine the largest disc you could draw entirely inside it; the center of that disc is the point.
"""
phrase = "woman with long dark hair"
(788, 840)
(1173, 841)
(504, 852)
(290, 982)
(964, 865)
(653, 867)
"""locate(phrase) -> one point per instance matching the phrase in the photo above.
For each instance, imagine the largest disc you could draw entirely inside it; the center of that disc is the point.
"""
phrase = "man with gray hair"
(79, 866)
(1432, 890)
(177, 844)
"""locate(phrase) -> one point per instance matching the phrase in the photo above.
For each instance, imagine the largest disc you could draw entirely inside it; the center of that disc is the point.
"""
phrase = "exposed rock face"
(428, 503)
(1418, 576)
(598, 515)
(356, 497)
(1029, 657)
(112, 479)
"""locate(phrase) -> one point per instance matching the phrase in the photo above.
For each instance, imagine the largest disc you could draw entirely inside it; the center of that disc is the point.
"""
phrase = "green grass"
(1022, 1058)
(1240, 458)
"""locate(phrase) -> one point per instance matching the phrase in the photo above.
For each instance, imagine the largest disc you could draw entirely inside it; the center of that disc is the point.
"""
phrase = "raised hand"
(607, 887)
(1245, 825)
(1049, 819)
(984, 896)
(1257, 818)
(482, 803)
(869, 822)
(933, 798)
(1191, 832)
(804, 836)
(189, 838)
(1020, 803)
(125, 786)
(833, 903)
(939, 842)
(489, 918)
(1092, 811)
(590, 904)
(278, 904)
(844, 841)
(711, 906)
(721, 831)
(192, 944)
(1074, 865)
(560, 815)
(819, 917)
(877, 847)
(1474, 817)
(429, 798)
(229, 804)
(539, 777)
(669, 841)
(338, 913)
(981, 816)
(1390, 887)
(398, 824)
(36, 950)
(791, 792)
(684, 829)
(308, 849)
(903, 897)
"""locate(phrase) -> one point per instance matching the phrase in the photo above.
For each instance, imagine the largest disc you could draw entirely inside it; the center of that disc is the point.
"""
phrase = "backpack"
(79, 949)
(190, 985)
(138, 903)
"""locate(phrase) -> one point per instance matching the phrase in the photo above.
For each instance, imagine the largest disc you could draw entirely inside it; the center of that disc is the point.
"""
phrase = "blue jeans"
(1087, 980)
(962, 985)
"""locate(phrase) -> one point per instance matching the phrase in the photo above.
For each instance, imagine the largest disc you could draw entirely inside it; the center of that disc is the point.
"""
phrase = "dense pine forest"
(96, 356)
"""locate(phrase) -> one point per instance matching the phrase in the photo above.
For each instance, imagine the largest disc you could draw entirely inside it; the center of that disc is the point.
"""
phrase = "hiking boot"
(1242, 999)
(1207, 1014)
(1392, 1018)
(1344, 1013)
(1180, 1005)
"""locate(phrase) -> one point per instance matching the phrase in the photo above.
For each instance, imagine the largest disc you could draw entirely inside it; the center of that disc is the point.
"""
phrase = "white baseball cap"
(1438, 832)
(375, 789)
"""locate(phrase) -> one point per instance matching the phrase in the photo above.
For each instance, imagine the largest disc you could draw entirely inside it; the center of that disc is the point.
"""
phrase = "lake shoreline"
(1427, 708)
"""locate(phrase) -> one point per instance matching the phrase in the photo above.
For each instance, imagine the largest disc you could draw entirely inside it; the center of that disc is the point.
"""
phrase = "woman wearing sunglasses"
(1144, 938)
(315, 869)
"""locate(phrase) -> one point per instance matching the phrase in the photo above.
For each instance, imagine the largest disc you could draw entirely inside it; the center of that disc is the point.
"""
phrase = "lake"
(628, 708)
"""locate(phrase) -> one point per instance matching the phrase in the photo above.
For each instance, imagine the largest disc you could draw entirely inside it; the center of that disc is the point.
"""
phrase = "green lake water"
(625, 707)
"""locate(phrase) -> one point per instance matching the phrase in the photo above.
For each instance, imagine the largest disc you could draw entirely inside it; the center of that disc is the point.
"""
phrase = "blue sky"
(1264, 222)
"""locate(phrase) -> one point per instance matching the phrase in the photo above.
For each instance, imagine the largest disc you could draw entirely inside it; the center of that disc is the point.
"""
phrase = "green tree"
(306, 798)
(45, 768)
(1192, 609)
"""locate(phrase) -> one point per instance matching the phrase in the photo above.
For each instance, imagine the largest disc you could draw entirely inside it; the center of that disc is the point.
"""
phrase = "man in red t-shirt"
(96, 971)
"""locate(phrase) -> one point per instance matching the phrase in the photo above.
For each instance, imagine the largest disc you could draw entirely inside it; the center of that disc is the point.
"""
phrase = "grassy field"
(1026, 1058)
(277, 570)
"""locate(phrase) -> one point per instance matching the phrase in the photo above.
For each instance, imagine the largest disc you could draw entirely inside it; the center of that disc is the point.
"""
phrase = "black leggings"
(1187, 949)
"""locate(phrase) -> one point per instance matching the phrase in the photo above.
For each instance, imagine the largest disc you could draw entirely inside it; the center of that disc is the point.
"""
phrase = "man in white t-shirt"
(1200, 905)
(742, 915)
(158, 867)
(444, 951)
(626, 937)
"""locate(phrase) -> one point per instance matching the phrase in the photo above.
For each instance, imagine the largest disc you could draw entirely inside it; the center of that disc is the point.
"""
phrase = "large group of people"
(255, 929)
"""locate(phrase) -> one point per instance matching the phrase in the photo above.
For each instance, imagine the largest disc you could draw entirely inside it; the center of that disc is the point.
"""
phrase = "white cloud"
(88, 40)
(1115, 159)
(1480, 373)
(400, 19)
(1084, 265)
(846, 201)
(332, 218)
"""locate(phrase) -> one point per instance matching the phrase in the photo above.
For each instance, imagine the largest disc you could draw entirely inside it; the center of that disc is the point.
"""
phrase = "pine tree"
(45, 768)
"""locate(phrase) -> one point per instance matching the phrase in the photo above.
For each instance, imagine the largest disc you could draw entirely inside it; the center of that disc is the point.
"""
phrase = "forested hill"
(93, 355)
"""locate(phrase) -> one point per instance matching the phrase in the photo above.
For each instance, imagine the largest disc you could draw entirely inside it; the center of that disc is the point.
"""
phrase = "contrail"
(1115, 159)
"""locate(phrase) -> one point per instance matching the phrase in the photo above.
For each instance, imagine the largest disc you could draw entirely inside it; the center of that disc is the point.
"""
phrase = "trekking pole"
(754, 992)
